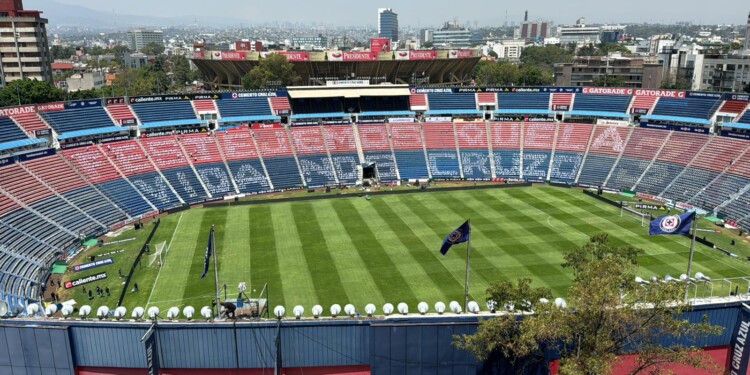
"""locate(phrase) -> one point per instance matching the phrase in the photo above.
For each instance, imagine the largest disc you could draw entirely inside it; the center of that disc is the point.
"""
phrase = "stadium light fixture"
(206, 312)
(102, 312)
(543, 300)
(473, 307)
(509, 306)
(84, 311)
(120, 312)
(279, 312)
(455, 307)
(668, 278)
(370, 309)
(684, 277)
(153, 312)
(639, 280)
(422, 307)
(388, 309)
(560, 302)
(350, 310)
(298, 311)
(188, 312)
(67, 310)
(403, 308)
(50, 310)
(491, 305)
(317, 310)
(32, 309)
(173, 313)
(701, 277)
(440, 307)
(137, 313)
(335, 310)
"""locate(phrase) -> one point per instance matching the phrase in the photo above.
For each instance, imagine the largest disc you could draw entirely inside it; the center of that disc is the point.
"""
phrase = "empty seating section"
(733, 106)
(738, 180)
(440, 141)
(561, 101)
(745, 118)
(418, 102)
(474, 149)
(672, 159)
(206, 105)
(643, 103)
(30, 121)
(242, 158)
(279, 104)
(318, 105)
(22, 185)
(313, 158)
(720, 153)
(686, 107)
(640, 150)
(165, 151)
(204, 153)
(506, 145)
(602, 103)
(487, 98)
(9, 131)
(377, 149)
(538, 141)
(120, 112)
(408, 149)
(215, 178)
(523, 100)
(95, 167)
(78, 119)
(164, 111)
(244, 107)
(277, 155)
(572, 140)
(455, 101)
(168, 156)
(343, 148)
(607, 142)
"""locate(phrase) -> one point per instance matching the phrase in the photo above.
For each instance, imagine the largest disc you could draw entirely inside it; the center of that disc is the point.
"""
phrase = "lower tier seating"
(443, 164)
(595, 169)
(125, 197)
(720, 190)
(690, 183)
(476, 164)
(286, 174)
(186, 184)
(565, 166)
(317, 170)
(658, 177)
(627, 172)
(535, 165)
(249, 176)
(384, 163)
(411, 164)
(59, 211)
(155, 189)
(95, 205)
(216, 178)
(507, 163)
(345, 165)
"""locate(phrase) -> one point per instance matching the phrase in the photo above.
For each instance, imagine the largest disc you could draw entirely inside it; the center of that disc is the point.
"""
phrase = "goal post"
(157, 257)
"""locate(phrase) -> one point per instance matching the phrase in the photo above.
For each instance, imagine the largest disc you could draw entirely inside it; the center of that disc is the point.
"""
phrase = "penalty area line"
(165, 256)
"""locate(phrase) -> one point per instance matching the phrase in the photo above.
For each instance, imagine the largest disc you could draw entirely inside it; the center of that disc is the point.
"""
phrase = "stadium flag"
(209, 249)
(738, 355)
(672, 224)
(460, 235)
(152, 351)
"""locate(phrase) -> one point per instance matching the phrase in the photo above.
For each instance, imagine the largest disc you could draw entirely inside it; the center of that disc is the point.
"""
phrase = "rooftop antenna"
(526, 16)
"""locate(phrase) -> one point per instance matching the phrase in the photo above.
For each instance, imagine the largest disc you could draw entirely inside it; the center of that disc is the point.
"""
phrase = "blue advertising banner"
(739, 353)
(83, 104)
(94, 264)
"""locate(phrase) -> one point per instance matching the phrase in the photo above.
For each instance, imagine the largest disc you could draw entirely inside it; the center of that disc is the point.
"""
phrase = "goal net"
(157, 256)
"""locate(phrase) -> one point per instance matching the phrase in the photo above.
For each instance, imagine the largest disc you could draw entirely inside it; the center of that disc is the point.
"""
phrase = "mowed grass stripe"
(234, 253)
(296, 279)
(263, 254)
(325, 276)
(355, 278)
(390, 281)
(206, 286)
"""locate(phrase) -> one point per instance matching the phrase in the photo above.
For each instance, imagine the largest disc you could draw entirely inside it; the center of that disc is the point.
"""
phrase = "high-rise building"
(539, 29)
(452, 35)
(388, 24)
(23, 40)
(138, 38)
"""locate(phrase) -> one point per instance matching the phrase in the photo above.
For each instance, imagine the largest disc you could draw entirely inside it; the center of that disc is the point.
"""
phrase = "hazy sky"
(433, 12)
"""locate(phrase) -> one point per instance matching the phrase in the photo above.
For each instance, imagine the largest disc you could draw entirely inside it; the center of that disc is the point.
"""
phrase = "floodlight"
(700, 276)
(317, 310)
(640, 280)
(668, 278)
(388, 309)
(350, 310)
(298, 311)
(102, 312)
(560, 302)
(455, 307)
(50, 310)
(370, 309)
(173, 313)
(422, 307)
(403, 308)
(153, 312)
(473, 307)
(543, 300)
(84, 311)
(279, 312)
(32, 309)
(138, 313)
(491, 304)
(67, 310)
(335, 310)
(440, 307)
(188, 312)
(120, 312)
(684, 277)
(206, 312)
(510, 306)
(654, 279)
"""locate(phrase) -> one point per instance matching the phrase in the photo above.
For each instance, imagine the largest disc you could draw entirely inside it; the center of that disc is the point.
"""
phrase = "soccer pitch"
(358, 251)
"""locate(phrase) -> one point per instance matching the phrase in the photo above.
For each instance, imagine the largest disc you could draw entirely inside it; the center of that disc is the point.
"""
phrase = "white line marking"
(558, 228)
(165, 257)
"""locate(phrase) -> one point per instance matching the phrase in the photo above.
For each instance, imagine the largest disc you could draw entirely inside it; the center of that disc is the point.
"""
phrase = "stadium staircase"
(358, 143)
(585, 155)
(226, 163)
(493, 169)
(522, 131)
(328, 153)
(553, 151)
(653, 160)
(424, 149)
(458, 148)
(619, 156)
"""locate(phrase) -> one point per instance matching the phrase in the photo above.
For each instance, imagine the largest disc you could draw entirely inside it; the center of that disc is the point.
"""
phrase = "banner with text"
(739, 353)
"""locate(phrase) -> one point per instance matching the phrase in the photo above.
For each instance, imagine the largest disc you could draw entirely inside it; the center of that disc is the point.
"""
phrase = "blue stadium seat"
(164, 111)
(720, 190)
(249, 175)
(283, 172)
(602, 103)
(9, 131)
(443, 164)
(411, 164)
(155, 189)
(317, 170)
(535, 165)
(745, 119)
(216, 178)
(690, 183)
(476, 164)
(56, 209)
(122, 194)
(186, 184)
(687, 107)
(96, 205)
(565, 166)
(244, 107)
(627, 172)
(658, 177)
(507, 163)
(595, 169)
(345, 165)
(523, 100)
(449, 101)
(384, 163)
(78, 119)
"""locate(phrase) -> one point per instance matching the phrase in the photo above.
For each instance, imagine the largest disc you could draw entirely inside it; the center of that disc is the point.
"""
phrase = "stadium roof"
(20, 143)
(307, 92)
(694, 120)
(86, 132)
(599, 114)
(736, 125)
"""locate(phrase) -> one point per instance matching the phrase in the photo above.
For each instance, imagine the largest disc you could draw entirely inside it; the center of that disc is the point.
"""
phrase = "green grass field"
(350, 250)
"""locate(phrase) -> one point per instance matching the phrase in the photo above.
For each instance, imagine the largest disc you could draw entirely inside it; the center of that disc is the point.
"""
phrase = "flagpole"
(216, 268)
(468, 257)
(690, 259)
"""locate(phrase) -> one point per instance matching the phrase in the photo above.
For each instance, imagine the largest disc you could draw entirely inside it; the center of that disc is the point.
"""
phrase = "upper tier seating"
(523, 100)
(418, 102)
(733, 106)
(205, 105)
(318, 105)
(745, 118)
(120, 112)
(164, 111)
(455, 101)
(9, 131)
(30, 122)
(560, 100)
(384, 103)
(687, 107)
(602, 103)
(279, 104)
(244, 107)
(78, 119)
(643, 103)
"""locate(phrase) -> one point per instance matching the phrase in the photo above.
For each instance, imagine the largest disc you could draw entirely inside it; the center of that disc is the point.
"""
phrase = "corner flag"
(460, 235)
(209, 249)
(673, 224)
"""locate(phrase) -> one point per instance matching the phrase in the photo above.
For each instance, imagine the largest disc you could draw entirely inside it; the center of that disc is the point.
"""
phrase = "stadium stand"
(78, 119)
(316, 166)
(606, 144)
(277, 155)
(30, 121)
(244, 107)
(204, 105)
(572, 140)
(733, 106)
(745, 118)
(164, 112)
(487, 99)
(408, 150)
(452, 102)
(601, 105)
(722, 193)
(342, 146)
(696, 108)
(377, 149)
(204, 154)
(670, 162)
(505, 138)
(168, 155)
(643, 146)
(522, 102)
(239, 151)
(120, 113)
(643, 103)
(440, 141)
(9, 131)
(384, 103)
(318, 105)
(538, 145)
(474, 150)
(418, 102)
(562, 101)
(279, 104)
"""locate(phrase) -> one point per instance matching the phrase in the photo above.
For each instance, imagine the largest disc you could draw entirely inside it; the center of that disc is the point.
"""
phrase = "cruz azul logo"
(669, 224)
(456, 235)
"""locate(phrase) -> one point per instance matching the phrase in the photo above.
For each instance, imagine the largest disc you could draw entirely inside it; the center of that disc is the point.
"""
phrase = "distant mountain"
(60, 14)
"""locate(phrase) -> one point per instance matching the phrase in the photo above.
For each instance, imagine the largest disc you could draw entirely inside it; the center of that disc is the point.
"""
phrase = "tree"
(607, 48)
(61, 53)
(496, 73)
(492, 54)
(427, 45)
(273, 71)
(546, 56)
(153, 49)
(587, 50)
(532, 75)
(746, 88)
(29, 91)
(611, 314)
(609, 81)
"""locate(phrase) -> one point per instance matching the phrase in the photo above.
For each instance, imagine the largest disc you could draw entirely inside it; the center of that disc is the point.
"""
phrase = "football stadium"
(319, 214)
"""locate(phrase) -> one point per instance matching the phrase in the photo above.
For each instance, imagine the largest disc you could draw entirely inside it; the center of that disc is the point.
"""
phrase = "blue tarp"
(165, 124)
(599, 114)
(83, 133)
(248, 119)
(320, 115)
(677, 119)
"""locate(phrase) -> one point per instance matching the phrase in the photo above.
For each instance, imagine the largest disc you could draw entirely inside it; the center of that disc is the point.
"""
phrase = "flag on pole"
(672, 224)
(460, 235)
(209, 250)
